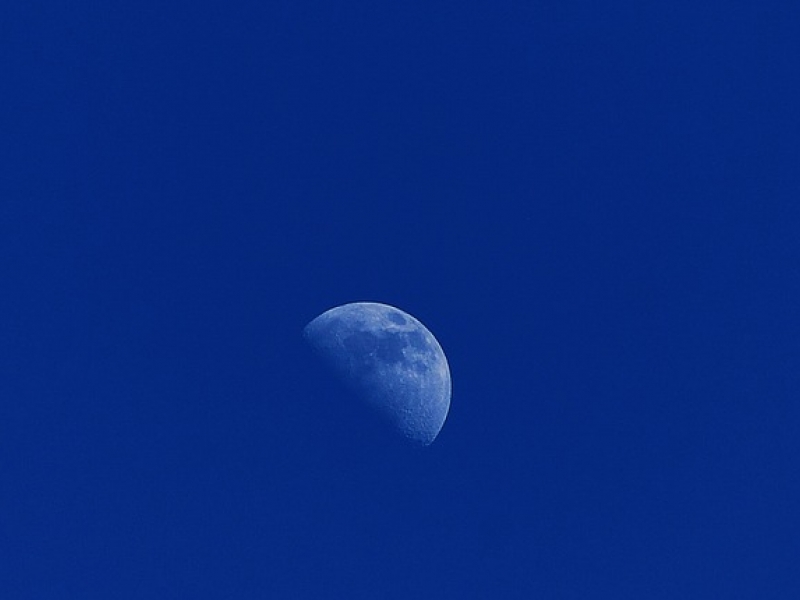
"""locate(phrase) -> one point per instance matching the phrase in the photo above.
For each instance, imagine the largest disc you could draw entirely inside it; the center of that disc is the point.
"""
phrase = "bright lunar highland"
(392, 362)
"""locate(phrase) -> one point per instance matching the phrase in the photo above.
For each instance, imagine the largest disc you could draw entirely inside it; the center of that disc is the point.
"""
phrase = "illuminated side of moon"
(392, 362)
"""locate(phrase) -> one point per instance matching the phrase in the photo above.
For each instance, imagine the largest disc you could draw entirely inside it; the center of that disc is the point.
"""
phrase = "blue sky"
(593, 207)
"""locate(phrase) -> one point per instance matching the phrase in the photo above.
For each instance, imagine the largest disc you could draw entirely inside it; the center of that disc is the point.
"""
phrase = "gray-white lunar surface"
(391, 360)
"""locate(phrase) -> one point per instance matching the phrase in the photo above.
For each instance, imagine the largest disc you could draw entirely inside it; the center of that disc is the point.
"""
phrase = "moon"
(391, 361)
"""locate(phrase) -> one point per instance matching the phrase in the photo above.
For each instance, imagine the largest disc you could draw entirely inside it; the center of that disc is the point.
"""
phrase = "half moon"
(392, 362)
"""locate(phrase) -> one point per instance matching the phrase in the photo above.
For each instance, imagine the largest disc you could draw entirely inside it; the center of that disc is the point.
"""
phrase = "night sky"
(595, 208)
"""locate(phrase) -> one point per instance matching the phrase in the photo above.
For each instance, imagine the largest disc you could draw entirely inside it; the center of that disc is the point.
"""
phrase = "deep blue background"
(594, 206)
